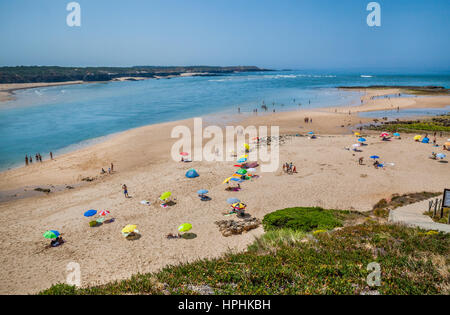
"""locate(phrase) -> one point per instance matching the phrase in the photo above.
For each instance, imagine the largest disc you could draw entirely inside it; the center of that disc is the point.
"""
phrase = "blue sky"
(297, 34)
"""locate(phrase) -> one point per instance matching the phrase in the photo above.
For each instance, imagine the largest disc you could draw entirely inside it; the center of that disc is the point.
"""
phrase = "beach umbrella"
(192, 173)
(184, 153)
(130, 228)
(362, 140)
(384, 134)
(417, 137)
(374, 157)
(357, 134)
(251, 170)
(246, 146)
(356, 145)
(244, 156)
(236, 179)
(104, 213)
(185, 227)
(239, 205)
(311, 132)
(233, 200)
(440, 155)
(202, 192)
(51, 234)
(90, 213)
(447, 144)
(241, 171)
(242, 160)
(226, 180)
(397, 134)
(165, 195)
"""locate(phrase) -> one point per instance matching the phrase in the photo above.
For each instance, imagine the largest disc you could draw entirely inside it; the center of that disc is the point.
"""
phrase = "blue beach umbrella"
(242, 160)
(51, 234)
(202, 192)
(236, 179)
(397, 134)
(362, 140)
(374, 157)
(90, 213)
(192, 173)
(440, 155)
(232, 200)
(311, 132)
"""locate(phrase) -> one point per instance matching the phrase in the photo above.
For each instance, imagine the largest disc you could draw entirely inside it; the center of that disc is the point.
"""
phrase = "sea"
(65, 118)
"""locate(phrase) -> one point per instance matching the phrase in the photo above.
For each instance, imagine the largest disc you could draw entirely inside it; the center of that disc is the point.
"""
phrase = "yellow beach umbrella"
(165, 195)
(447, 144)
(129, 228)
(239, 205)
(246, 146)
(226, 180)
(357, 134)
(245, 156)
(418, 137)
(185, 227)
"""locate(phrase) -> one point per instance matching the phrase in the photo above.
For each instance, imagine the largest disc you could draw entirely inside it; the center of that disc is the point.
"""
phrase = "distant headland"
(54, 74)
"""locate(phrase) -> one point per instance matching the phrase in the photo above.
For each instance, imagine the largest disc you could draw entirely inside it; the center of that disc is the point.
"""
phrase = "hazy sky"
(300, 34)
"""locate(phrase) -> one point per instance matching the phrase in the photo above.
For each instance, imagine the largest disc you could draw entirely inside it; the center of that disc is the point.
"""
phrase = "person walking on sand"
(51, 155)
(361, 160)
(26, 160)
(112, 167)
(125, 191)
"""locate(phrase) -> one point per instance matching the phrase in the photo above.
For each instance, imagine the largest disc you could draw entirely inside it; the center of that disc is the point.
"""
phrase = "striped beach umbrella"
(51, 234)
(104, 213)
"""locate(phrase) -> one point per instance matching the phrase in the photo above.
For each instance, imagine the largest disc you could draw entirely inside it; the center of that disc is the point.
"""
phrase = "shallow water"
(65, 118)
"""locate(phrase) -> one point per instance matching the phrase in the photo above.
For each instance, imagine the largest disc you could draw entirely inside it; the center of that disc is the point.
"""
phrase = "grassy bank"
(290, 261)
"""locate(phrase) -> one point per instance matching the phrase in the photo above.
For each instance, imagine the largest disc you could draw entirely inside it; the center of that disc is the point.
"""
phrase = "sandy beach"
(328, 176)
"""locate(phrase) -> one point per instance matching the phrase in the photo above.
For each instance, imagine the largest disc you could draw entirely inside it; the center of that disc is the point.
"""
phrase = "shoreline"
(368, 105)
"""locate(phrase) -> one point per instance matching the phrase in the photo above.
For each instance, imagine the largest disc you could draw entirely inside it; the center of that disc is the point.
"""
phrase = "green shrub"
(301, 219)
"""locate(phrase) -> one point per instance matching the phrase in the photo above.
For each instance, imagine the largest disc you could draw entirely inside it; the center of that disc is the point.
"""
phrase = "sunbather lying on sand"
(171, 236)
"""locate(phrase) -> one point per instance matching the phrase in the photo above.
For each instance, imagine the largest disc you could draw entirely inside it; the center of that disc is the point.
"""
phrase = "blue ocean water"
(63, 118)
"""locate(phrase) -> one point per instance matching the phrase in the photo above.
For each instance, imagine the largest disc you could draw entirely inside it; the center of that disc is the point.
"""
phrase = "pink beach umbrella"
(184, 153)
(104, 213)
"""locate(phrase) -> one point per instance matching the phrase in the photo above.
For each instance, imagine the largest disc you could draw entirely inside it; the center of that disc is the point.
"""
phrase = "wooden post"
(430, 205)
(442, 209)
(435, 208)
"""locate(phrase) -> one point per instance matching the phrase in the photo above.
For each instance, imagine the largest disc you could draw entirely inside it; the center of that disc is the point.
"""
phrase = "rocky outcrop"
(232, 227)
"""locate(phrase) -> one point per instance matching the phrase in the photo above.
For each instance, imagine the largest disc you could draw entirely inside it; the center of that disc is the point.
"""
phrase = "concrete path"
(412, 215)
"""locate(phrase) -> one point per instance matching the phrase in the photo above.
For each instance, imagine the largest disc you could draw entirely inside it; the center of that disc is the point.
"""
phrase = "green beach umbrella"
(241, 171)
(185, 227)
(51, 234)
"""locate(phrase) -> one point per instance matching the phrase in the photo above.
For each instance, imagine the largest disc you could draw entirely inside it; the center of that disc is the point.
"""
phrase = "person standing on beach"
(125, 191)
(40, 157)
(51, 155)
(112, 167)
(239, 110)
(31, 159)
(26, 160)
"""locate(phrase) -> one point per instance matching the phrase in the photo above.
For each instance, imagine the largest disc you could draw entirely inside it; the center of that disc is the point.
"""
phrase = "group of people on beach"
(38, 158)
(110, 169)
(308, 120)
(289, 168)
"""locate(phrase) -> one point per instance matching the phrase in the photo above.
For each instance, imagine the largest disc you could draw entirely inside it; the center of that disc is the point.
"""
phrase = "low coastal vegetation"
(439, 124)
(313, 251)
(35, 74)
